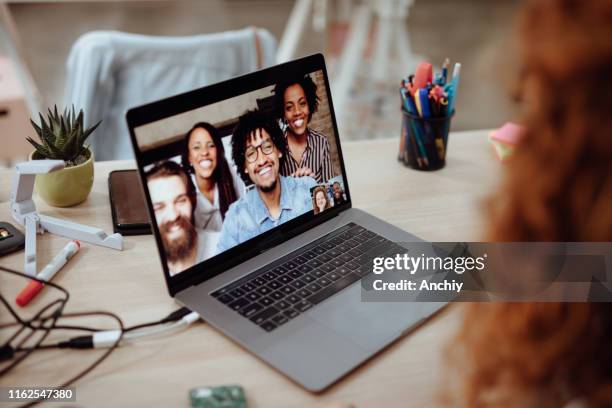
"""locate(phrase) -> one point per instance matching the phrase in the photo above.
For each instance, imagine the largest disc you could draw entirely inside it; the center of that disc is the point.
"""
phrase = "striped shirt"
(316, 157)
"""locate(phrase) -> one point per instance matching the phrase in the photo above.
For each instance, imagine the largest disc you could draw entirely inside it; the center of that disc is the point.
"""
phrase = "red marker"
(423, 75)
(31, 290)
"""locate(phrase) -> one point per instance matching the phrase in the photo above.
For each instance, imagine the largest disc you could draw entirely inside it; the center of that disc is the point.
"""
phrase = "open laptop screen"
(225, 173)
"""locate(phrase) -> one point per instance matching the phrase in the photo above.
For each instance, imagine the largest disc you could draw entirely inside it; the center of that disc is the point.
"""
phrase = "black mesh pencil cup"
(425, 140)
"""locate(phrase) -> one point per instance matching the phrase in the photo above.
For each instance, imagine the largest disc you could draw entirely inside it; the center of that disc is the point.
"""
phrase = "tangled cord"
(46, 323)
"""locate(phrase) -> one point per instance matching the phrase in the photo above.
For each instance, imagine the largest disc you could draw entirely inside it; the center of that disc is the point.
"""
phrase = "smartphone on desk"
(128, 206)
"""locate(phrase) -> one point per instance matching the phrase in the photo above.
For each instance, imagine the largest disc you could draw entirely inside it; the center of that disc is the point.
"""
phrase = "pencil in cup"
(426, 140)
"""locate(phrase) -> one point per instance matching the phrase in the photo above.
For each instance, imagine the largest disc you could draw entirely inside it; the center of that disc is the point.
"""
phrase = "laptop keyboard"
(279, 292)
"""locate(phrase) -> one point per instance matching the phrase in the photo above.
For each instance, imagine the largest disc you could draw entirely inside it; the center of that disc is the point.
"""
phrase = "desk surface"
(438, 206)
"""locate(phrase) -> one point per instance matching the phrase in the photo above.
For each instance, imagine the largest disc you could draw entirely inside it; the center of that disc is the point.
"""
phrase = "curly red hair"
(558, 187)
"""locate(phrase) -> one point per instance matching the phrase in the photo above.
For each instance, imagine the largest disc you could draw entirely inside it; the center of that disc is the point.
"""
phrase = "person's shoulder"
(318, 135)
(235, 207)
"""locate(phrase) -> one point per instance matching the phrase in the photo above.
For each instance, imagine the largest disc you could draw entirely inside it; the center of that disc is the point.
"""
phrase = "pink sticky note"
(508, 134)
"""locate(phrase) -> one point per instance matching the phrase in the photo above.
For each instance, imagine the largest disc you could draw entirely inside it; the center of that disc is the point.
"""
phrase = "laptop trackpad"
(370, 325)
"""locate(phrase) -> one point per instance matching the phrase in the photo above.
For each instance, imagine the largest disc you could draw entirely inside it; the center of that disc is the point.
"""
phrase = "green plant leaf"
(89, 131)
(46, 133)
(72, 148)
(79, 119)
(56, 153)
(53, 121)
(42, 150)
(36, 128)
(62, 136)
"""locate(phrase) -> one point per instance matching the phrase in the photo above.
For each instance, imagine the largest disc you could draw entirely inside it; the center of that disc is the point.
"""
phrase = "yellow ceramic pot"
(67, 187)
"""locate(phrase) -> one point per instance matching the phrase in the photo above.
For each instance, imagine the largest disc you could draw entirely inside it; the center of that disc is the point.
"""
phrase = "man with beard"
(258, 146)
(174, 200)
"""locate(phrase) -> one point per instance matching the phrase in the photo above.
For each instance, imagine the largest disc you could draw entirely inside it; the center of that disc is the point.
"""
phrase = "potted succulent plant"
(62, 137)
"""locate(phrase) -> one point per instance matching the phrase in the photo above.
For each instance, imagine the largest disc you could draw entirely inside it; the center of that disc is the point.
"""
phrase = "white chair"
(110, 72)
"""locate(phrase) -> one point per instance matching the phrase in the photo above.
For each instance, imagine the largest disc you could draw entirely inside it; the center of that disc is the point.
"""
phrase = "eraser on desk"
(423, 75)
(509, 134)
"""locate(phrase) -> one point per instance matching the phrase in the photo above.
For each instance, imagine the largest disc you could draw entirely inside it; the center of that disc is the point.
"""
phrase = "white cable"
(107, 338)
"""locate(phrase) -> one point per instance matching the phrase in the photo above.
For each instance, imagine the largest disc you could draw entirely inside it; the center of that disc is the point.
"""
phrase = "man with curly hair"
(258, 149)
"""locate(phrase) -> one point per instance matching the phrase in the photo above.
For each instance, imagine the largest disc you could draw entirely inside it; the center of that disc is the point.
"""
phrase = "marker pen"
(31, 290)
(452, 87)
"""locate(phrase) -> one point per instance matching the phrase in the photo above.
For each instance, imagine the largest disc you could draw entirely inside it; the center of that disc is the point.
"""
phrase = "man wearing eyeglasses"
(258, 146)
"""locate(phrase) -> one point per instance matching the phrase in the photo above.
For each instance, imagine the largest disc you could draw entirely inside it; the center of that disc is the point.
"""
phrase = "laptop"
(255, 226)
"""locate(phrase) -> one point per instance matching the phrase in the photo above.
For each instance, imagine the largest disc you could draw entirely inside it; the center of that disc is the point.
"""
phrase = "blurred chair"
(110, 72)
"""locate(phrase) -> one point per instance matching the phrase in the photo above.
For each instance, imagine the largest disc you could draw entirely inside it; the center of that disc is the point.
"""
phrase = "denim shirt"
(249, 217)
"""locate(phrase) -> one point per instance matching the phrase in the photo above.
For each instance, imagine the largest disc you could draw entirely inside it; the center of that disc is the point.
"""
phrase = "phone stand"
(24, 212)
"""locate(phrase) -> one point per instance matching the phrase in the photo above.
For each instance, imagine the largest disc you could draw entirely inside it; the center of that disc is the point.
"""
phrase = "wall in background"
(471, 31)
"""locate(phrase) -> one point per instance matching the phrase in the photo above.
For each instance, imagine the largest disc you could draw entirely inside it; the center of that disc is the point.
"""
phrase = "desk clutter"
(428, 104)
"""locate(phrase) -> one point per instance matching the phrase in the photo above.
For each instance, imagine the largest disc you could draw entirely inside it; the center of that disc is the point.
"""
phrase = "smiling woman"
(309, 152)
(204, 158)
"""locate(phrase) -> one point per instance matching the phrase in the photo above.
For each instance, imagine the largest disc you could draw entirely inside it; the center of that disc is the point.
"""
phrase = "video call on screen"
(226, 172)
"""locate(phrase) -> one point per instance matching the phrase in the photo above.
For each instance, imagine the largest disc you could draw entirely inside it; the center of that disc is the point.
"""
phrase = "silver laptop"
(254, 223)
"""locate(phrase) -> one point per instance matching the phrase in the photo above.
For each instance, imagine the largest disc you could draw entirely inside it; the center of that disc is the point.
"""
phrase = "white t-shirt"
(208, 215)
(207, 244)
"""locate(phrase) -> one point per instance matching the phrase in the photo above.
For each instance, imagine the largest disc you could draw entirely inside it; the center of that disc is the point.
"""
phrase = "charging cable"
(105, 339)
(99, 339)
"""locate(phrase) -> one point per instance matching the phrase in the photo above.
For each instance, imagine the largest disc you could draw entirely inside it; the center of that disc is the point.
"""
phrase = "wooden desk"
(442, 205)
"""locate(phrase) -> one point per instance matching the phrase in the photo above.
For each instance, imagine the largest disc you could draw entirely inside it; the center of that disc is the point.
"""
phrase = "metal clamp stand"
(24, 212)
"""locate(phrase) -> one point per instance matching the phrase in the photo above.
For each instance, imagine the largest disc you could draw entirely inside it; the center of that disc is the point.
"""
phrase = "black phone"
(130, 216)
(11, 239)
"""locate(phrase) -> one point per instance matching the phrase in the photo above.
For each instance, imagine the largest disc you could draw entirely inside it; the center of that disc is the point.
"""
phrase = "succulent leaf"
(62, 136)
(89, 132)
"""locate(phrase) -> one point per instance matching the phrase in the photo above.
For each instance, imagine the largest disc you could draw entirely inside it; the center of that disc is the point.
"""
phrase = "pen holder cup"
(424, 141)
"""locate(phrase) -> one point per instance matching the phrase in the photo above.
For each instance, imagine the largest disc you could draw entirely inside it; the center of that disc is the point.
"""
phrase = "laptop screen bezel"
(207, 95)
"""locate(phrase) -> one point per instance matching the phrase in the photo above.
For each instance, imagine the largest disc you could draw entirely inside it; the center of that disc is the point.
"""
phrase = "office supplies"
(417, 103)
(415, 149)
(443, 106)
(24, 212)
(424, 110)
(292, 278)
(445, 71)
(427, 111)
(222, 396)
(509, 134)
(438, 79)
(11, 239)
(417, 130)
(35, 286)
(128, 206)
(505, 139)
(452, 89)
(456, 71)
(423, 75)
